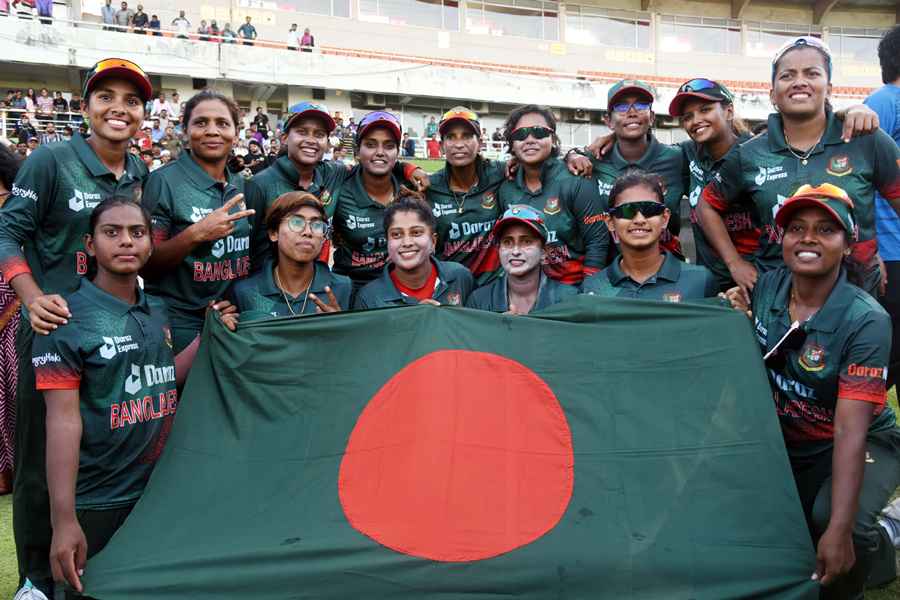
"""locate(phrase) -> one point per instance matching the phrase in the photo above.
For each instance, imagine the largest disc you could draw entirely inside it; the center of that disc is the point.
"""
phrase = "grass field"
(9, 577)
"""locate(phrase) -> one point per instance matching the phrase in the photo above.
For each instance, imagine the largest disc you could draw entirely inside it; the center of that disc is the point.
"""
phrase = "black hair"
(9, 167)
(856, 269)
(214, 93)
(636, 177)
(408, 200)
(760, 128)
(68, 129)
(889, 54)
(112, 202)
(512, 121)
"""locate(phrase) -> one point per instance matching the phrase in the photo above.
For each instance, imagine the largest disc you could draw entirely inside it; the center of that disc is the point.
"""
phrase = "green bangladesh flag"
(604, 448)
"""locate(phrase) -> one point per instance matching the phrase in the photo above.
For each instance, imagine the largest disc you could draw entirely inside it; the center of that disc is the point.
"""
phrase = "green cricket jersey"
(45, 218)
(119, 358)
(495, 298)
(572, 211)
(738, 221)
(765, 172)
(667, 162)
(452, 288)
(358, 219)
(280, 178)
(845, 355)
(258, 297)
(178, 195)
(675, 281)
(465, 219)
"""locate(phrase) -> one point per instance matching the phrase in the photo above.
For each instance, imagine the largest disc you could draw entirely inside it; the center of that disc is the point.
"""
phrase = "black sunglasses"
(776, 358)
(538, 132)
(630, 209)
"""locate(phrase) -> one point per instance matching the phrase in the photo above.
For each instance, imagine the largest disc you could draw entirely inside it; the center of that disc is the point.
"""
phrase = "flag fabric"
(603, 448)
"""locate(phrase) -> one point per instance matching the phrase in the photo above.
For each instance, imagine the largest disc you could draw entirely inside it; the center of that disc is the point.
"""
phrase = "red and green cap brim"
(834, 204)
(520, 213)
(378, 119)
(463, 115)
(119, 69)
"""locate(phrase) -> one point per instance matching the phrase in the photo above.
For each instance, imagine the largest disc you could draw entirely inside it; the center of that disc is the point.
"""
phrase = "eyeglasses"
(538, 132)
(792, 340)
(699, 84)
(298, 225)
(630, 209)
(825, 189)
(639, 107)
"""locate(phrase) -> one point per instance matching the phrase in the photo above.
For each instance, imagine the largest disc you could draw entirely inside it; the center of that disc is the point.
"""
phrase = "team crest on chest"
(811, 359)
(552, 206)
(671, 297)
(168, 333)
(138, 194)
(241, 205)
(326, 197)
(840, 166)
(489, 200)
(454, 299)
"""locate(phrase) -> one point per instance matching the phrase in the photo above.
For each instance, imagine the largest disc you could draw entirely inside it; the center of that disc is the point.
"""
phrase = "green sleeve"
(57, 359)
(158, 200)
(588, 211)
(33, 195)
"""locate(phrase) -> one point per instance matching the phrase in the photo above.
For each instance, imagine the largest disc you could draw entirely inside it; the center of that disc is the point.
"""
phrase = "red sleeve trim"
(864, 389)
(15, 268)
(588, 271)
(58, 385)
(715, 200)
(409, 169)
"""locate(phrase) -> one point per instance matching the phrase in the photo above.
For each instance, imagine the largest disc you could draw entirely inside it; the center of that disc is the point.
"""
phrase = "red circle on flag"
(460, 456)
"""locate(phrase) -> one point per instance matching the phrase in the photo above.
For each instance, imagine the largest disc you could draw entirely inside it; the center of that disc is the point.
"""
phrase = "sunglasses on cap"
(298, 224)
(522, 211)
(639, 107)
(806, 40)
(825, 189)
(776, 358)
(700, 84)
(538, 132)
(630, 209)
(125, 68)
(114, 62)
(460, 113)
(378, 116)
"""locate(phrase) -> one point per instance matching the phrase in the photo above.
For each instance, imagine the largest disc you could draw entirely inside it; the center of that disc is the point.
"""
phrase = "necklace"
(509, 299)
(283, 293)
(792, 312)
(459, 204)
(803, 159)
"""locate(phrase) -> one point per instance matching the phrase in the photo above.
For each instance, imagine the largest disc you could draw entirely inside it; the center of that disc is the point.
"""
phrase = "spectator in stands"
(25, 129)
(60, 108)
(351, 126)
(107, 15)
(44, 106)
(18, 101)
(32, 143)
(254, 159)
(45, 11)
(177, 107)
(68, 132)
(497, 138)
(409, 146)
(154, 25)
(124, 17)
(433, 146)
(203, 31)
(157, 132)
(140, 20)
(22, 149)
(215, 34)
(306, 42)
(30, 104)
(279, 124)
(252, 134)
(156, 149)
(75, 108)
(163, 120)
(182, 26)
(240, 149)
(334, 142)
(160, 104)
(228, 34)
(50, 134)
(347, 141)
(261, 120)
(83, 129)
(247, 32)
(245, 120)
(165, 156)
(431, 129)
(171, 143)
(293, 38)
(147, 157)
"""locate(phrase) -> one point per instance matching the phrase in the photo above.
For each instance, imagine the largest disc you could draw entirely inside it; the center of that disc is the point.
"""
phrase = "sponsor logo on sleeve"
(46, 358)
(32, 195)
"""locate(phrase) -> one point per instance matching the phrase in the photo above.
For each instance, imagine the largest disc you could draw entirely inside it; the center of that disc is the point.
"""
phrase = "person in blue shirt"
(247, 32)
(885, 101)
